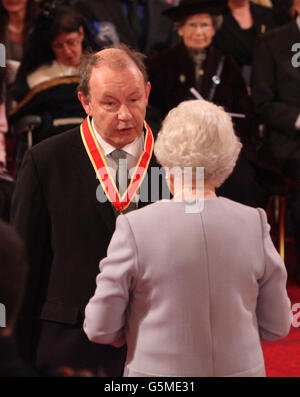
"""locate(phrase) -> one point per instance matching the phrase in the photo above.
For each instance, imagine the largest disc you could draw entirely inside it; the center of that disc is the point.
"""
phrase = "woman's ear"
(81, 31)
(180, 33)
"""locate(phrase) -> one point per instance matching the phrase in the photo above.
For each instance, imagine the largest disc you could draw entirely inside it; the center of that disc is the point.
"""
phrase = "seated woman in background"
(16, 21)
(243, 21)
(195, 64)
(48, 76)
(185, 285)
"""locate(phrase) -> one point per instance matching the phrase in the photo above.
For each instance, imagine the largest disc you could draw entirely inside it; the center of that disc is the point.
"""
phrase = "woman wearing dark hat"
(194, 67)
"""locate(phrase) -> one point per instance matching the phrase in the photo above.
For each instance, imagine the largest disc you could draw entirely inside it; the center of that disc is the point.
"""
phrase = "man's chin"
(123, 140)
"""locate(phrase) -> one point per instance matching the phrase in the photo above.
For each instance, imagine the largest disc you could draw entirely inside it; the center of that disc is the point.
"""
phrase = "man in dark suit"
(137, 23)
(58, 208)
(276, 93)
(13, 272)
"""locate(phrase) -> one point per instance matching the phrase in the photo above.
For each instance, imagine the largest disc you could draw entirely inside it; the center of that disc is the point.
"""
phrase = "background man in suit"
(276, 93)
(66, 229)
(13, 272)
(137, 23)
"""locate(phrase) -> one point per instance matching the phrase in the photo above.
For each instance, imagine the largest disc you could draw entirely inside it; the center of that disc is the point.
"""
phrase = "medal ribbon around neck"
(102, 170)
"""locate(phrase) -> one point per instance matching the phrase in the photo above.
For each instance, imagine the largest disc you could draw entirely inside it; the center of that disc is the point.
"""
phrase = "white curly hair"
(195, 134)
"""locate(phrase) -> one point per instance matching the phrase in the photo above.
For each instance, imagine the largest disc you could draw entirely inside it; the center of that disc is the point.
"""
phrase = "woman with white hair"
(192, 289)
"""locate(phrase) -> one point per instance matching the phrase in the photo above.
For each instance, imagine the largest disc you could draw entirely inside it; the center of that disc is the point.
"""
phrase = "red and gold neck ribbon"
(102, 170)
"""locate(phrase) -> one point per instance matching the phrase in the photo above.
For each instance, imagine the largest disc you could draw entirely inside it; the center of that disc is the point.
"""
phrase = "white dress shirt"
(48, 72)
(133, 150)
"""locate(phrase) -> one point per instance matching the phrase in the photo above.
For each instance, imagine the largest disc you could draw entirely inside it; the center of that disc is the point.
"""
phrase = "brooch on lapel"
(216, 79)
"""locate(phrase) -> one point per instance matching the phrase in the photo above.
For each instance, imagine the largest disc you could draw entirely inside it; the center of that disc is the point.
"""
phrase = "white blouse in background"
(48, 72)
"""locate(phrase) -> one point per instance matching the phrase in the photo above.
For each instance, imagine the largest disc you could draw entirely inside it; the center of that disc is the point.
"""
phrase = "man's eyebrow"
(108, 95)
(136, 92)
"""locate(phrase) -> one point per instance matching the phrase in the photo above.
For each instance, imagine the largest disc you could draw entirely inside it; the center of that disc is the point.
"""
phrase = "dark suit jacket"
(67, 232)
(160, 29)
(231, 39)
(6, 191)
(276, 89)
(11, 365)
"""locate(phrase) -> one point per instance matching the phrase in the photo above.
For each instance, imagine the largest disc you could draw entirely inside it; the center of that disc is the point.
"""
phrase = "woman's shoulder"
(242, 211)
(222, 204)
(150, 211)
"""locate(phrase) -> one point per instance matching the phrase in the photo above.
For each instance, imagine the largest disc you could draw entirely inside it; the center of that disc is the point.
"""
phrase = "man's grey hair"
(119, 59)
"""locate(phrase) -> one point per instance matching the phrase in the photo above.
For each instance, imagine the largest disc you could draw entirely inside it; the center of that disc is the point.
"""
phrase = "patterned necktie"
(120, 157)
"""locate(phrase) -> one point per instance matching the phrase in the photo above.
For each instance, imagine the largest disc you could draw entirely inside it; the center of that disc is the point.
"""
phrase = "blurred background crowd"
(225, 58)
(239, 54)
(226, 64)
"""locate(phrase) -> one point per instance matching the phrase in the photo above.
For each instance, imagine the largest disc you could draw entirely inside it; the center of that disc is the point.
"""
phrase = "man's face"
(117, 104)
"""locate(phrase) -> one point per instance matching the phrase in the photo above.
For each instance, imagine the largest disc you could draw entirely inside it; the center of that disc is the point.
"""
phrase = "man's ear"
(148, 89)
(85, 103)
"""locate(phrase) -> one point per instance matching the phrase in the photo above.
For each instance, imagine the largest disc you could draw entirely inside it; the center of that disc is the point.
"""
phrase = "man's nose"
(124, 113)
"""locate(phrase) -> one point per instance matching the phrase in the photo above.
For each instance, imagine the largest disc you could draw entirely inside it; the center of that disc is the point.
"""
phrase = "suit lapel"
(185, 72)
(289, 39)
(259, 19)
(89, 183)
(210, 66)
(295, 32)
